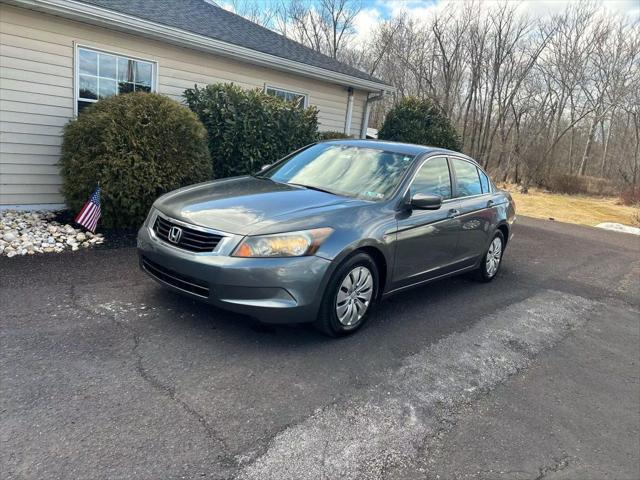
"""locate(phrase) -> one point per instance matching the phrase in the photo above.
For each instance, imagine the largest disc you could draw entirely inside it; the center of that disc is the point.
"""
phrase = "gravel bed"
(28, 233)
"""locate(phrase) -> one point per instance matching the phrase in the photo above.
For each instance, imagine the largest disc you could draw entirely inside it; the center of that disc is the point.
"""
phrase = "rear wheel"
(492, 259)
(349, 296)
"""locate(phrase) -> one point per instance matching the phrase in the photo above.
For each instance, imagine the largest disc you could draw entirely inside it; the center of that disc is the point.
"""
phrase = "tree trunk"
(571, 166)
(588, 147)
(606, 146)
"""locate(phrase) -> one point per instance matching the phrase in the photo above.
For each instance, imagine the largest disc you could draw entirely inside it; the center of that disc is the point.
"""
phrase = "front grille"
(175, 279)
(191, 239)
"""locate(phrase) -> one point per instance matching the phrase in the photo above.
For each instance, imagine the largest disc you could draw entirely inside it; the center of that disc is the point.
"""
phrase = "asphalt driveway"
(104, 374)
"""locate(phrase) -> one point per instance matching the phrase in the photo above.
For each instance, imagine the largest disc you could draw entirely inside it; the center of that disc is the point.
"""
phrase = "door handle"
(453, 213)
(490, 203)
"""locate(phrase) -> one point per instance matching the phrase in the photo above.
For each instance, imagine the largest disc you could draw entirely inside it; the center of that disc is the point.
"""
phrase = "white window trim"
(288, 90)
(76, 71)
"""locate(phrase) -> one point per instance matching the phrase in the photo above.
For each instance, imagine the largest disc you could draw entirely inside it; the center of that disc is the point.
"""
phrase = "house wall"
(37, 92)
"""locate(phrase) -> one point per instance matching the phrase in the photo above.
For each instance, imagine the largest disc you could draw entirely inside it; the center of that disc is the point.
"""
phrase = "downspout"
(347, 119)
(367, 113)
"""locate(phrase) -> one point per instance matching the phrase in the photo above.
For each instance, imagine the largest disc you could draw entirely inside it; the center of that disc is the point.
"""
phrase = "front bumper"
(274, 290)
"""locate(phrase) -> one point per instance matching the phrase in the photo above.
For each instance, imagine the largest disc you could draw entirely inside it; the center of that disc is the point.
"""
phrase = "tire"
(341, 311)
(488, 269)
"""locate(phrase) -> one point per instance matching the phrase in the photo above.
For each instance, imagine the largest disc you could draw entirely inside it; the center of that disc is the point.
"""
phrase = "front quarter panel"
(372, 225)
(367, 226)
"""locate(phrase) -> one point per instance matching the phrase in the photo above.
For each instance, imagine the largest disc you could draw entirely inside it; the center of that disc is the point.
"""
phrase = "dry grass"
(580, 209)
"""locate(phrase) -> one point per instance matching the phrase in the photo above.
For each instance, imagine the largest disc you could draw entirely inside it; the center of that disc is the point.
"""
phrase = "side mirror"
(421, 201)
(264, 167)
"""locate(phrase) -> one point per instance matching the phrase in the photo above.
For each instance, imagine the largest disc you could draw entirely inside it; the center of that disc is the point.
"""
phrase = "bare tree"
(323, 25)
(533, 98)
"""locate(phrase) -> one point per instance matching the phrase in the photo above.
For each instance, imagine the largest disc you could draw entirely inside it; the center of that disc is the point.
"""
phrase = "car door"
(426, 240)
(477, 214)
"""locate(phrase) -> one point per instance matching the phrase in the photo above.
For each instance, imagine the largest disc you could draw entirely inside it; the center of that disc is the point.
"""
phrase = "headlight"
(291, 244)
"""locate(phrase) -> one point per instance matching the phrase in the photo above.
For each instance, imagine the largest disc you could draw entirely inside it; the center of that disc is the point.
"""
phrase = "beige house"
(57, 56)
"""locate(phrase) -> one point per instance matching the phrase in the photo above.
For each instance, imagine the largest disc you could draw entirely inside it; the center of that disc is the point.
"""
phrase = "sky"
(375, 11)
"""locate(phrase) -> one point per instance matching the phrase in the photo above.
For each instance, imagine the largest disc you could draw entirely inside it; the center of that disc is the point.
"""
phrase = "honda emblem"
(174, 234)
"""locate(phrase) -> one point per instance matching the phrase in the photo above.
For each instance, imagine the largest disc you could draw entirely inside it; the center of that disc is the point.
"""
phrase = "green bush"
(419, 121)
(248, 128)
(332, 135)
(137, 146)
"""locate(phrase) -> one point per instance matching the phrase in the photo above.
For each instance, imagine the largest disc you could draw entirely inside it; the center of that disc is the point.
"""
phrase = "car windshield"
(358, 172)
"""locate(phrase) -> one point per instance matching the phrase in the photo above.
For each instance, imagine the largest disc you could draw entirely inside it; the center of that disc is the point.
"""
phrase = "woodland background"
(550, 100)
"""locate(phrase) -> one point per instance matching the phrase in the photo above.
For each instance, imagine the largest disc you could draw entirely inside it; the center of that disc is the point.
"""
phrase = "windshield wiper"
(311, 187)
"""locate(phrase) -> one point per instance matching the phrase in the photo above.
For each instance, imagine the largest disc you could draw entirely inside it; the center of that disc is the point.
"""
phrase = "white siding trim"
(349, 114)
(34, 206)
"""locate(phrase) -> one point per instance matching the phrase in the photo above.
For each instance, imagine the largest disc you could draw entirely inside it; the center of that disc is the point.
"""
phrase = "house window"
(300, 99)
(100, 75)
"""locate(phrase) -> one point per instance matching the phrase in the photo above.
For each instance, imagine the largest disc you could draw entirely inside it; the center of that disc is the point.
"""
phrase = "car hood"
(244, 205)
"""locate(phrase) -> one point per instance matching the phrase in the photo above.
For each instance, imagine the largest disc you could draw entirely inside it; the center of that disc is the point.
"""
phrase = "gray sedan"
(327, 231)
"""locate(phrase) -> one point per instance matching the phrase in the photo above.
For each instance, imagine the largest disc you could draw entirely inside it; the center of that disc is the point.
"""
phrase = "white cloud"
(365, 23)
(415, 9)
(227, 6)
(369, 18)
(540, 8)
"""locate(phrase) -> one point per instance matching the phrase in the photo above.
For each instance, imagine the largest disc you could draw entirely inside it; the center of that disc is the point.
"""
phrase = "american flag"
(90, 213)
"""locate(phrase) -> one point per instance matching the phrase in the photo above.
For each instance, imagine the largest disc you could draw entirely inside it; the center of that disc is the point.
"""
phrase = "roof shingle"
(203, 18)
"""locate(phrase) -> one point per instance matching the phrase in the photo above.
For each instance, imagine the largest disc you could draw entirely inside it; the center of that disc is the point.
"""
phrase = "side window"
(467, 179)
(300, 99)
(101, 75)
(433, 179)
(484, 182)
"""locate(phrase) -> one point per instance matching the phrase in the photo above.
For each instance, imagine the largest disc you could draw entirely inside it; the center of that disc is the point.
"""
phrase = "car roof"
(396, 147)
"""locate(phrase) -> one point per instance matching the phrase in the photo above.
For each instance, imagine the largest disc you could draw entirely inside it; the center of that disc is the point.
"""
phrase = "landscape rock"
(9, 236)
(30, 233)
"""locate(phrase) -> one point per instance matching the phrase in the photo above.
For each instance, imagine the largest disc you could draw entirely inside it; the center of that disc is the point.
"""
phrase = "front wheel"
(350, 293)
(490, 263)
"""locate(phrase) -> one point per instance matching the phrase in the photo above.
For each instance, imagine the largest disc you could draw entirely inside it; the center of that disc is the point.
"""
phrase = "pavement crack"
(170, 392)
(558, 465)
(167, 390)
(388, 428)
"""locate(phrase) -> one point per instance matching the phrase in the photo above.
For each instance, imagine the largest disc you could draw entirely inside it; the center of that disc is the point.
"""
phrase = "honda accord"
(327, 231)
